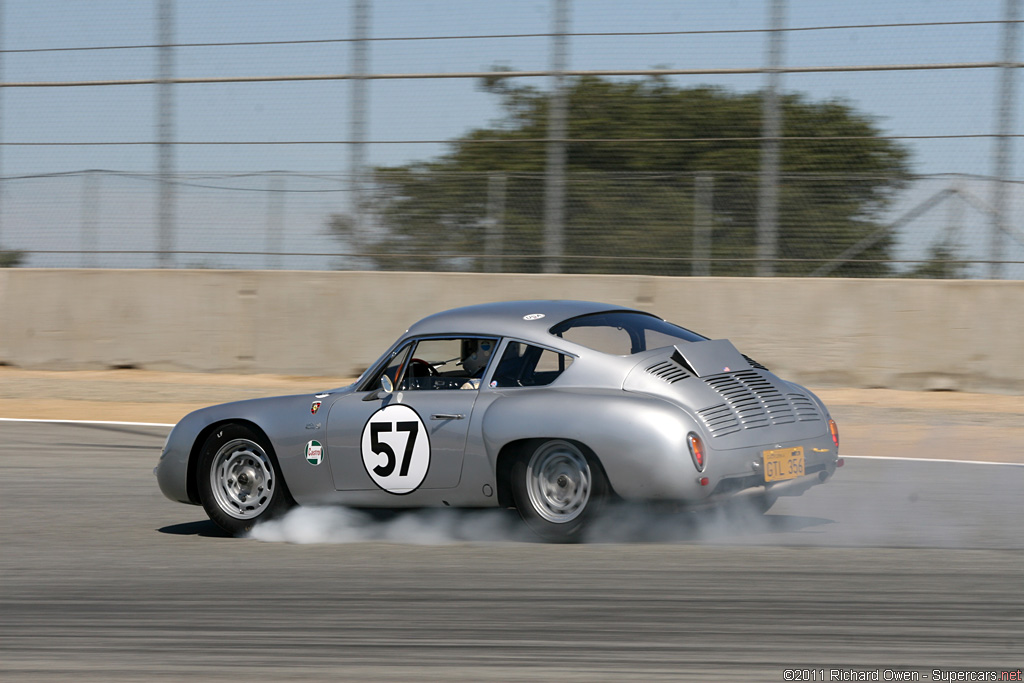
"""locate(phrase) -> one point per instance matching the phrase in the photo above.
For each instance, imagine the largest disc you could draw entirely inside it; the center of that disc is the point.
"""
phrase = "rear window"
(623, 333)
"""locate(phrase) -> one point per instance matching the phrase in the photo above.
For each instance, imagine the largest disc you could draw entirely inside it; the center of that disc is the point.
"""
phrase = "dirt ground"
(874, 422)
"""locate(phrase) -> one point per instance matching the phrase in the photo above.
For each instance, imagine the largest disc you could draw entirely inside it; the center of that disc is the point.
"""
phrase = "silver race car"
(549, 407)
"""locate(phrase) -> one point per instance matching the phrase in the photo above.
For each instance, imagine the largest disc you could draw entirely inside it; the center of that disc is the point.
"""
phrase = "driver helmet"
(481, 352)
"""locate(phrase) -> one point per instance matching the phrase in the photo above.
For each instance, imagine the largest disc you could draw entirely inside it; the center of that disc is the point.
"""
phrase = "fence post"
(494, 237)
(702, 198)
(90, 218)
(275, 219)
(1, 121)
(768, 204)
(165, 132)
(1004, 139)
(954, 227)
(357, 144)
(554, 195)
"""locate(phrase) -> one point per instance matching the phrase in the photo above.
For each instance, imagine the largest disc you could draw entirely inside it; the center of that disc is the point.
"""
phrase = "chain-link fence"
(774, 140)
(661, 224)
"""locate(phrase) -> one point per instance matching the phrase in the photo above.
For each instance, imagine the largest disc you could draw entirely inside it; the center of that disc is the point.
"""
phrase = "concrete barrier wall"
(909, 334)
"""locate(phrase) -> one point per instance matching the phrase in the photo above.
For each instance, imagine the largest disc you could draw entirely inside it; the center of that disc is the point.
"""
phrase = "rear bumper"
(755, 486)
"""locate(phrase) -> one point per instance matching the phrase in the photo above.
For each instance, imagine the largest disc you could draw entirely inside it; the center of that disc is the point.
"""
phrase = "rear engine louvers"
(673, 370)
(668, 371)
(752, 401)
(753, 363)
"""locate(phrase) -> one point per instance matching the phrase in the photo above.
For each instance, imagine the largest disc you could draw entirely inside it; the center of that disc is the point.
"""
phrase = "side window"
(456, 363)
(525, 365)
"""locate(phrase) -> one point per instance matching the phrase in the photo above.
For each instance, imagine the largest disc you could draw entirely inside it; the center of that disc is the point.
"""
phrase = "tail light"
(834, 430)
(696, 450)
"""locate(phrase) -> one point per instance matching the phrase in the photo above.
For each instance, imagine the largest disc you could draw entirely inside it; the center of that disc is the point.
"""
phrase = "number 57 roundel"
(396, 449)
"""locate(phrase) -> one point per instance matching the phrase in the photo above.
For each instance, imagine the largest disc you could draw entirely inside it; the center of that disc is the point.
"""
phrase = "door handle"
(446, 416)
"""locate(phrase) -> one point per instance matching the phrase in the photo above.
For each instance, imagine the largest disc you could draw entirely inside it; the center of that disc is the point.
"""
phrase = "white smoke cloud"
(617, 524)
(869, 503)
(420, 527)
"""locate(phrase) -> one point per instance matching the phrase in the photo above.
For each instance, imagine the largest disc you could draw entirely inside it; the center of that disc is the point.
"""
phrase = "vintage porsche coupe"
(549, 407)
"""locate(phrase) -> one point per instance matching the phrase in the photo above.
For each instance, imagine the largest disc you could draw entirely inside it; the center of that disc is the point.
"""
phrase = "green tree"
(942, 264)
(635, 148)
(10, 258)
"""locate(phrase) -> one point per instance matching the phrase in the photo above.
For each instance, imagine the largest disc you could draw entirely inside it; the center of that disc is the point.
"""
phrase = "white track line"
(87, 422)
(162, 424)
(962, 462)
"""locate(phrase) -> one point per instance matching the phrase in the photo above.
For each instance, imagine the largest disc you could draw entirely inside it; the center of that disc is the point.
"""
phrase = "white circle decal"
(396, 449)
(533, 316)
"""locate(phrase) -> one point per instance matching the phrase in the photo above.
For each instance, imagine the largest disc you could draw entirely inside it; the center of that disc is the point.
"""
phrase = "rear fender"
(640, 441)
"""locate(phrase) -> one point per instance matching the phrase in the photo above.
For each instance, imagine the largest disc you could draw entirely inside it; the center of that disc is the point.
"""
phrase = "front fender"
(286, 421)
(640, 440)
(172, 471)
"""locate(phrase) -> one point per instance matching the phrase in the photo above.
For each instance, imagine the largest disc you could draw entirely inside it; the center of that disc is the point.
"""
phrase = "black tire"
(558, 489)
(240, 482)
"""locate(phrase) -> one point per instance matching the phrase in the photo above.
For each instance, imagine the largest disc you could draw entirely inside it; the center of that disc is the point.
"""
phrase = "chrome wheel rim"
(558, 481)
(242, 479)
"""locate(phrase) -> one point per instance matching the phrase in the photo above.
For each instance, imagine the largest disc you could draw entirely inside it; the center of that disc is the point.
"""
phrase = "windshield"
(623, 333)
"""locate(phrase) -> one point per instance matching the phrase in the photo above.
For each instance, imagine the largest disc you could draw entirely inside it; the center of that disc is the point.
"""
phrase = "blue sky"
(907, 103)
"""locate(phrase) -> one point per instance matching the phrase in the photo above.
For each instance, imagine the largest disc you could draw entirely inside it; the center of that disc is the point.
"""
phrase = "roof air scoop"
(711, 357)
(681, 362)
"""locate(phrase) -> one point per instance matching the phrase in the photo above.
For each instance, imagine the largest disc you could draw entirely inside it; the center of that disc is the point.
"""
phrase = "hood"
(734, 398)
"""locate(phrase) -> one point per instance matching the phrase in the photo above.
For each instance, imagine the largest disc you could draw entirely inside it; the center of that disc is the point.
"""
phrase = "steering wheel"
(421, 368)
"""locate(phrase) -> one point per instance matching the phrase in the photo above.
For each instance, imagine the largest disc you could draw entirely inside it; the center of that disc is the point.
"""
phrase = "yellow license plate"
(783, 463)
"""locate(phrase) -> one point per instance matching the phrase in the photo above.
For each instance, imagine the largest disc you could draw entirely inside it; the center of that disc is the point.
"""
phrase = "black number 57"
(381, 448)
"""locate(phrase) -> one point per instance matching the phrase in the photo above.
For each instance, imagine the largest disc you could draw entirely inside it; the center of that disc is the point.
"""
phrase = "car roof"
(527, 320)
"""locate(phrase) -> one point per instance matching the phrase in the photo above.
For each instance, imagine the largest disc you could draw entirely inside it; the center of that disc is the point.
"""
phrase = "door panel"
(381, 444)
(415, 436)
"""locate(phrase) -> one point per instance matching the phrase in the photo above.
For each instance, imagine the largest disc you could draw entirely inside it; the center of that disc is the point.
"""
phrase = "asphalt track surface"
(892, 566)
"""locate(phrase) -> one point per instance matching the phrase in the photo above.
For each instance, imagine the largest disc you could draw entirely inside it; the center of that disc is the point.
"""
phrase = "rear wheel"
(239, 482)
(557, 490)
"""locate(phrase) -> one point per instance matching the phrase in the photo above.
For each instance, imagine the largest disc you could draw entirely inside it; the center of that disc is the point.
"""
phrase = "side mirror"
(386, 387)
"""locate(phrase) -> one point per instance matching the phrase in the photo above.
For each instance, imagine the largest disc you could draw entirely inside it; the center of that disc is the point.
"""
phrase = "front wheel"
(239, 482)
(558, 490)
